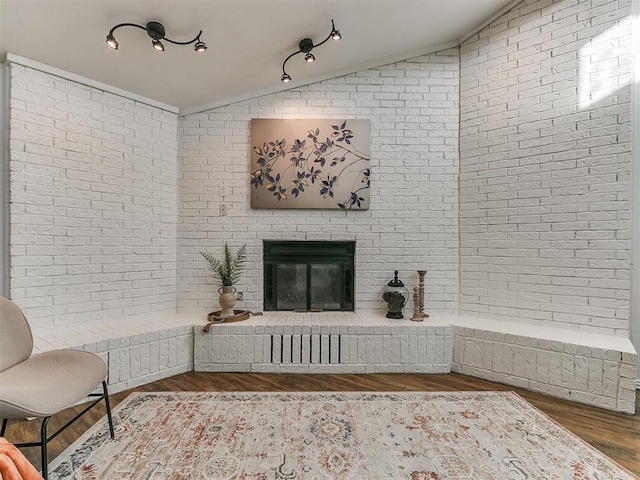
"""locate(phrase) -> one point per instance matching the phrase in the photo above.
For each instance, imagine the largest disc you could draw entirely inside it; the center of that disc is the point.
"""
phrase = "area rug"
(286, 436)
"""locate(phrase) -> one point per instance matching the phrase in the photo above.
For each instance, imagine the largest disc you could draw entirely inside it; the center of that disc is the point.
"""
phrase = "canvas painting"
(318, 164)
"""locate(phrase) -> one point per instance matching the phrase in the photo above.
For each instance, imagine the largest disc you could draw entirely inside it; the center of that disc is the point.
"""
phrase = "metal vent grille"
(306, 349)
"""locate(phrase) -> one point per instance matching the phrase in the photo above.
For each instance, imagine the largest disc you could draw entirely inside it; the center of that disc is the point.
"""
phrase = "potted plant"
(227, 271)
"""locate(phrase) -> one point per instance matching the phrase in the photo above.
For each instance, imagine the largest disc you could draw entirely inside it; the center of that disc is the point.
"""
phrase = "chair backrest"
(16, 341)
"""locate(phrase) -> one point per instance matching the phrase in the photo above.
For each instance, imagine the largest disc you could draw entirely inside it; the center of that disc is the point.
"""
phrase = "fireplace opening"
(308, 276)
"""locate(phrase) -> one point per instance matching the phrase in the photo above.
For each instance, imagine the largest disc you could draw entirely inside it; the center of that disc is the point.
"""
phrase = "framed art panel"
(313, 164)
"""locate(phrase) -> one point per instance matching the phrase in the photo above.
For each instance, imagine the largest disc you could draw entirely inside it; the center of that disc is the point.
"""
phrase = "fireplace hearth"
(308, 276)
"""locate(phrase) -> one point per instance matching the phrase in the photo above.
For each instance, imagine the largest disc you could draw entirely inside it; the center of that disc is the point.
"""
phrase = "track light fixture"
(305, 46)
(157, 44)
(155, 30)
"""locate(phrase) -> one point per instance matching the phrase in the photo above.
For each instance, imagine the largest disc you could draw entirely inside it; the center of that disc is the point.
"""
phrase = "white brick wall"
(544, 203)
(412, 222)
(93, 202)
(545, 162)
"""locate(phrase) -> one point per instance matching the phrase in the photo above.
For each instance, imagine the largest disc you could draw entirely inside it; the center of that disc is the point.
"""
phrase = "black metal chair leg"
(43, 447)
(108, 407)
(45, 421)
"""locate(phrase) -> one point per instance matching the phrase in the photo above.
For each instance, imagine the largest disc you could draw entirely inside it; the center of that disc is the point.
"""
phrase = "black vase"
(395, 297)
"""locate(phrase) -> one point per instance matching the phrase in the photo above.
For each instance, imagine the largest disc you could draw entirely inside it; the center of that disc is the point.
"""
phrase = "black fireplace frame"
(309, 252)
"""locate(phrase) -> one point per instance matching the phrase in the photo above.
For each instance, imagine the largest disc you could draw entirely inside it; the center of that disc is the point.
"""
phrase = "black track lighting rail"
(305, 46)
(156, 32)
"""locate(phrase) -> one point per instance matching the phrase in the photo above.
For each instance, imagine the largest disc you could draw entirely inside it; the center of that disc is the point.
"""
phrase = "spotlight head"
(157, 44)
(111, 41)
(200, 47)
(335, 34)
(285, 78)
(309, 57)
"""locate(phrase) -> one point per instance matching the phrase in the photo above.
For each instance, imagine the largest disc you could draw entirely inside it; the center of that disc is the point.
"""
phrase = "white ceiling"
(248, 40)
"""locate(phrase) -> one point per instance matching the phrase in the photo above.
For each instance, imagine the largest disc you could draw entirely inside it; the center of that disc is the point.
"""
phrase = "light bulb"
(285, 78)
(157, 44)
(111, 41)
(309, 58)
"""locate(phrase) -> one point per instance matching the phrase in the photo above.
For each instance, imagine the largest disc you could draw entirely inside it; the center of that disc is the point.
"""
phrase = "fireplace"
(308, 276)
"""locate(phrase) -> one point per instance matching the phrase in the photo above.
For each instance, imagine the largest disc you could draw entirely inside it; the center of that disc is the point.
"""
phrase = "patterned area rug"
(286, 436)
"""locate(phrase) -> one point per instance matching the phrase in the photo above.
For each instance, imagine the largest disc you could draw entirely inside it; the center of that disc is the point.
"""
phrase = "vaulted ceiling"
(248, 40)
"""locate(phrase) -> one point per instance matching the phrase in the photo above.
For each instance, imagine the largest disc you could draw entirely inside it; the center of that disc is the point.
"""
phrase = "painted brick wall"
(93, 202)
(545, 161)
(413, 219)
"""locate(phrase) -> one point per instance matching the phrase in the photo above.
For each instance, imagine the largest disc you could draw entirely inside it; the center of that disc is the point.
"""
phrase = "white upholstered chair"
(42, 385)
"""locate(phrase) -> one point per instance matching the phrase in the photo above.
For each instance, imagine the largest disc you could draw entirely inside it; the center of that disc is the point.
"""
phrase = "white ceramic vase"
(227, 300)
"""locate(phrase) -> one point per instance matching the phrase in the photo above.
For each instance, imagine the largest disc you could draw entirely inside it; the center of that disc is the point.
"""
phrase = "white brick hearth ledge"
(588, 368)
(340, 342)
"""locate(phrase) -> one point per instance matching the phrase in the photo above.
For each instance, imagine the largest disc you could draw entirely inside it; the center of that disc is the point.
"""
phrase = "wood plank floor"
(616, 435)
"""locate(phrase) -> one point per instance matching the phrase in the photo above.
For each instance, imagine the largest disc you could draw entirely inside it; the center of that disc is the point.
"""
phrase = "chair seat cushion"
(47, 383)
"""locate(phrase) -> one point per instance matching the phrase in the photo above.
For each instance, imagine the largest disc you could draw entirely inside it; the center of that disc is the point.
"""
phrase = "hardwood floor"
(616, 435)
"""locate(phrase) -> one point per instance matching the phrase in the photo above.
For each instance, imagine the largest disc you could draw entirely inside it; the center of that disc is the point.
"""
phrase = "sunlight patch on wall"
(603, 67)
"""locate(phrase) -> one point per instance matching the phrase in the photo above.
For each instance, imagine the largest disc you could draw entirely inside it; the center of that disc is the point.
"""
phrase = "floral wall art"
(321, 164)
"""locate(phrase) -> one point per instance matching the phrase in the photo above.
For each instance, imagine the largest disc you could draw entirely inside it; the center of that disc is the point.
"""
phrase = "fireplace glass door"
(308, 276)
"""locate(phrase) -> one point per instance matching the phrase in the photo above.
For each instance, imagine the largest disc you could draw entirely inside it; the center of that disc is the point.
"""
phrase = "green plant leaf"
(228, 270)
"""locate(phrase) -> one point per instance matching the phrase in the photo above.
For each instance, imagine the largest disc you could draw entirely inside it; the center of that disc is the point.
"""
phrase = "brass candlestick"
(418, 299)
